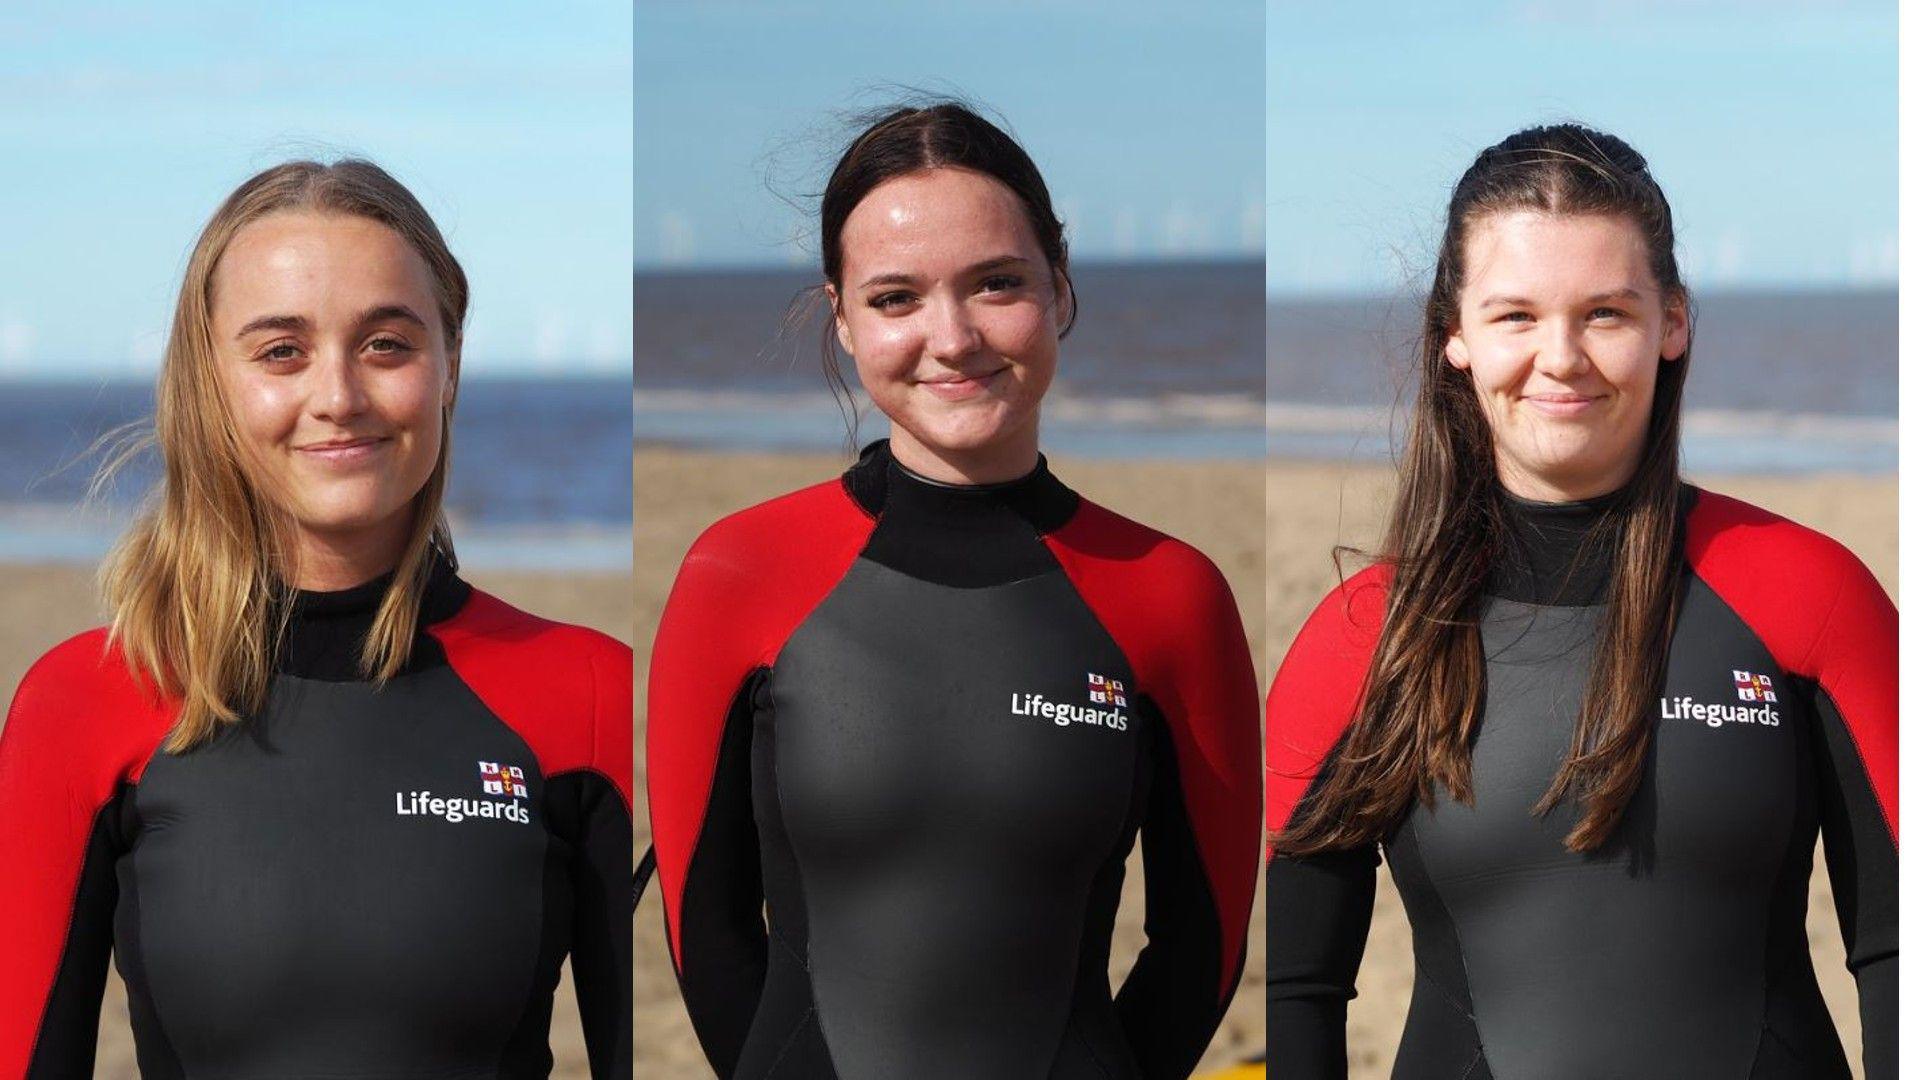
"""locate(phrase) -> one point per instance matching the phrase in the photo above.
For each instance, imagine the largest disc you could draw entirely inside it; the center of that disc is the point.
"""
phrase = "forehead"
(1530, 253)
(932, 219)
(317, 264)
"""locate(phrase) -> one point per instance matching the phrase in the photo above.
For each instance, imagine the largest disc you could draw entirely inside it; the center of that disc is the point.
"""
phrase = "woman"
(333, 811)
(1595, 716)
(918, 713)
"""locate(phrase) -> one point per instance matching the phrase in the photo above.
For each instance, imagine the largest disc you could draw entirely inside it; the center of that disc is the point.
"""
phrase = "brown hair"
(198, 584)
(906, 139)
(1425, 684)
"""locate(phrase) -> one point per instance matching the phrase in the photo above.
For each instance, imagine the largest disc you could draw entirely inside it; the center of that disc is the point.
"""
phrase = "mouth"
(958, 386)
(344, 451)
(1562, 404)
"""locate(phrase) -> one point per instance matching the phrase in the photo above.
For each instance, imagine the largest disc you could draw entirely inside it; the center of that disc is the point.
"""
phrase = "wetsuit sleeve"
(1854, 669)
(1318, 907)
(1822, 615)
(62, 775)
(1173, 615)
(602, 793)
(745, 584)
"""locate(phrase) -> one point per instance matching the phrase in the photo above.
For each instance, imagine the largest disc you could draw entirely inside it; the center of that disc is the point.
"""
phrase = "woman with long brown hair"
(1596, 717)
(904, 726)
(331, 810)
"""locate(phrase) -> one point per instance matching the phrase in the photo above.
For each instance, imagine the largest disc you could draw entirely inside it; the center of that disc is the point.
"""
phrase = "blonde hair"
(198, 584)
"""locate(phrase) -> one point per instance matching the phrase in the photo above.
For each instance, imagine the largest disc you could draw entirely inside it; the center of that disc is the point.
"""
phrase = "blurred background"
(512, 127)
(1146, 121)
(1771, 127)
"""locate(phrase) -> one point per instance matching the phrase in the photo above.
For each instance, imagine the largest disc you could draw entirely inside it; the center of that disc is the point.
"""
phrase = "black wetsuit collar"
(325, 630)
(1555, 553)
(882, 486)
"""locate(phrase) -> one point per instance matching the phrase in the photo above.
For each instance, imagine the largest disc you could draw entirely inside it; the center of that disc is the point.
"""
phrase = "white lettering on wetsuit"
(427, 804)
(1062, 714)
(1685, 708)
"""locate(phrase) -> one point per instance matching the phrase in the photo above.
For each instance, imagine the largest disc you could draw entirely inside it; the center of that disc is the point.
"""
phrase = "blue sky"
(126, 124)
(1145, 117)
(1770, 124)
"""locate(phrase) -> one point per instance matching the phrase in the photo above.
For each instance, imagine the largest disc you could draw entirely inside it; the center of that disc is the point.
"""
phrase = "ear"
(1456, 350)
(839, 321)
(1062, 301)
(1678, 322)
(452, 384)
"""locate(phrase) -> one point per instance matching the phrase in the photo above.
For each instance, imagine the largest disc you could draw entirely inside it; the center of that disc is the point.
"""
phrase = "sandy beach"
(1216, 507)
(1312, 506)
(44, 605)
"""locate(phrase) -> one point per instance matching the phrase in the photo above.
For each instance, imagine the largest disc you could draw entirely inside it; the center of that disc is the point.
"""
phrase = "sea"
(1193, 360)
(542, 471)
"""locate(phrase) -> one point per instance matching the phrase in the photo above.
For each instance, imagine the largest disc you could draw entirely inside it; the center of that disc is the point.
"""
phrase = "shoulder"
(777, 533)
(567, 690)
(1346, 622)
(1143, 561)
(1317, 691)
(1791, 584)
(82, 700)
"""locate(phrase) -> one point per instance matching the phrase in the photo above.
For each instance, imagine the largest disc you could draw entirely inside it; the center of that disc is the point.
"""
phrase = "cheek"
(265, 410)
(885, 350)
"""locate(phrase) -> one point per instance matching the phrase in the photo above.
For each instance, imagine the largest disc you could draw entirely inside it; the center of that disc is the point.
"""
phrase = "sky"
(511, 123)
(1144, 117)
(1770, 124)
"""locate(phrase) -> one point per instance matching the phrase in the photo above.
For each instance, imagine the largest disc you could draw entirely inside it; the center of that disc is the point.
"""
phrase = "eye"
(388, 345)
(279, 353)
(1515, 317)
(888, 301)
(1607, 313)
(1001, 283)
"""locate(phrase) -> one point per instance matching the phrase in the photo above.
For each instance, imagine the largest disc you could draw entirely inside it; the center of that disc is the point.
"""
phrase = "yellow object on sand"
(1254, 1070)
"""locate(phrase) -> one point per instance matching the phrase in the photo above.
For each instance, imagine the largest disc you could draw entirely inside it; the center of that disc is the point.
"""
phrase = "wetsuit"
(920, 726)
(351, 883)
(1677, 950)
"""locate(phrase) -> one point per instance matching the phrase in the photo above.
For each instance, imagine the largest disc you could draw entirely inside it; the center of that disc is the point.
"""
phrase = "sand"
(1310, 505)
(43, 605)
(1216, 507)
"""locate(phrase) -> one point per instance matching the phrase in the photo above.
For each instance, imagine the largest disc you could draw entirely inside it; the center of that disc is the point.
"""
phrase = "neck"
(331, 560)
(1005, 459)
(1563, 489)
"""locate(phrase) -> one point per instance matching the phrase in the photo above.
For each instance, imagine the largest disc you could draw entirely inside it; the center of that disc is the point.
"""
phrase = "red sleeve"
(746, 583)
(1172, 614)
(79, 728)
(1824, 618)
(1317, 690)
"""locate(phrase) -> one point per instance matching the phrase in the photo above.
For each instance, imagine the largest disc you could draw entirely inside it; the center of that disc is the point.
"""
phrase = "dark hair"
(901, 140)
(1425, 684)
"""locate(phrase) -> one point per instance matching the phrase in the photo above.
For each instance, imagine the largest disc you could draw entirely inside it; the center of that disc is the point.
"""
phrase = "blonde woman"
(332, 811)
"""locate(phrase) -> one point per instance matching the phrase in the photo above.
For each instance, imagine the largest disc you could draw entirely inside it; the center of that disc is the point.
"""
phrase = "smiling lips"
(954, 386)
(1562, 404)
(344, 451)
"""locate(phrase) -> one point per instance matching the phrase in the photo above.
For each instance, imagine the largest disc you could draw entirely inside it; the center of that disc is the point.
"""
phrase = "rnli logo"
(1755, 705)
(1107, 706)
(498, 779)
(1751, 687)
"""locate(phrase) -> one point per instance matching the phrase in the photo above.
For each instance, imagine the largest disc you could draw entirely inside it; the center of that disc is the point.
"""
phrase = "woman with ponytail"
(1595, 717)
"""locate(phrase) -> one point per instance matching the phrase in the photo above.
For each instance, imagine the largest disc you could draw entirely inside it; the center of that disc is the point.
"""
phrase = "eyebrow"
(1624, 293)
(900, 278)
(302, 323)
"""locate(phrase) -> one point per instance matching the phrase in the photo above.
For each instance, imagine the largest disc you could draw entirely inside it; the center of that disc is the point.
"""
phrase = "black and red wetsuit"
(1679, 949)
(354, 882)
(920, 726)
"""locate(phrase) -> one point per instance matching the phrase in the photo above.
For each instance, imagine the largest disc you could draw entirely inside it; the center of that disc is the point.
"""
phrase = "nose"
(951, 333)
(1561, 353)
(339, 393)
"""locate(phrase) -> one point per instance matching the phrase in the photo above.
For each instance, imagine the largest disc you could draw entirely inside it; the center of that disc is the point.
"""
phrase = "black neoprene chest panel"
(1678, 914)
(408, 924)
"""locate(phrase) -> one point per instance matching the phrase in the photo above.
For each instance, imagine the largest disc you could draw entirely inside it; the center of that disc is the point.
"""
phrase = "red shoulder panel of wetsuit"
(744, 586)
(1317, 690)
(1819, 611)
(80, 726)
(566, 690)
(1169, 609)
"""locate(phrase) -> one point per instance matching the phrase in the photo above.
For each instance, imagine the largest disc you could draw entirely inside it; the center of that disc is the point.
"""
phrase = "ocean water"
(1192, 360)
(542, 471)
(1779, 382)
(1166, 360)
